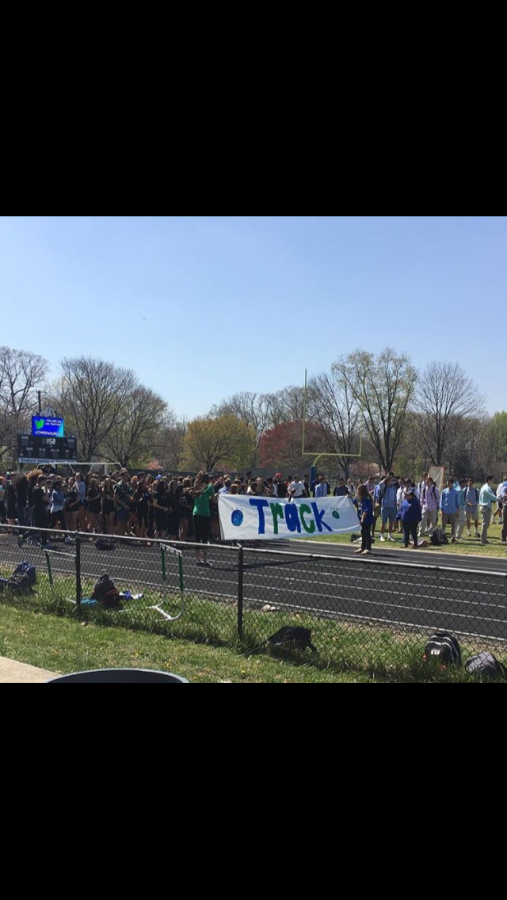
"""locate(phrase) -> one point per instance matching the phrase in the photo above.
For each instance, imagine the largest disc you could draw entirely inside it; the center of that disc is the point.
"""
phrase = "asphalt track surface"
(403, 589)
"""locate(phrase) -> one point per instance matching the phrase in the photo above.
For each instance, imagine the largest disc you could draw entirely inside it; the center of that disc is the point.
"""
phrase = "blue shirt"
(321, 489)
(449, 502)
(57, 501)
(366, 507)
(410, 511)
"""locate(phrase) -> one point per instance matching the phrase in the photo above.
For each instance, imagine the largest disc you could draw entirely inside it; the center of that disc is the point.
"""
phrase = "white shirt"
(297, 488)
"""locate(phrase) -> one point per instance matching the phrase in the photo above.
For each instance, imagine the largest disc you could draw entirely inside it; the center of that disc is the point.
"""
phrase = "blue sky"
(203, 307)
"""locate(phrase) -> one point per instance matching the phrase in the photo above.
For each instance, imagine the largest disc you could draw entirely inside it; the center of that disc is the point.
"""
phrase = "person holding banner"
(365, 511)
(297, 489)
(321, 489)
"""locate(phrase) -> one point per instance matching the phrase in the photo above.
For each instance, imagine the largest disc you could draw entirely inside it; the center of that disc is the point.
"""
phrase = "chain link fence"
(362, 614)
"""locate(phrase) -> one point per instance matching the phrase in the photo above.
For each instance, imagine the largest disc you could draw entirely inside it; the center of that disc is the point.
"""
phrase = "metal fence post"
(79, 593)
(240, 594)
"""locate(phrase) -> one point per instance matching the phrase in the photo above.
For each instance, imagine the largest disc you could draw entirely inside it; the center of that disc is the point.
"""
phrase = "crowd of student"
(184, 508)
(415, 508)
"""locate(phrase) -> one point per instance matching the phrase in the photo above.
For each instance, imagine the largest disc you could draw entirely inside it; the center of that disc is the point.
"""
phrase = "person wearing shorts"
(57, 505)
(387, 494)
(108, 506)
(94, 508)
(122, 496)
(159, 500)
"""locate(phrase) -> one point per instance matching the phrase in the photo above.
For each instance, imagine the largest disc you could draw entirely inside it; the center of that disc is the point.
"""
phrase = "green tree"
(219, 441)
(496, 436)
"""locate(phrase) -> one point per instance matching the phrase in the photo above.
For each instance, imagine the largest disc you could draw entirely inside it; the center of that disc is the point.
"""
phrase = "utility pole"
(40, 403)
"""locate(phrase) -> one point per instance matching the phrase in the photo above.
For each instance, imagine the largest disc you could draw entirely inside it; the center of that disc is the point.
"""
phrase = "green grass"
(48, 630)
(467, 546)
(67, 645)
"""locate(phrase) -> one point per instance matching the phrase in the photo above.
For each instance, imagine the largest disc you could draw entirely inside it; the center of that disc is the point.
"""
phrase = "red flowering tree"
(281, 446)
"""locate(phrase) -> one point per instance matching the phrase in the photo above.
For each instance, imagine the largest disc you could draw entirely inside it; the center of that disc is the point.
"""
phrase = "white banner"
(251, 518)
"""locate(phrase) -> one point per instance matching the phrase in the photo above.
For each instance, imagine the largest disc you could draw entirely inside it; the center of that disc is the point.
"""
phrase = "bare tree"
(92, 395)
(169, 443)
(445, 399)
(283, 406)
(332, 407)
(21, 374)
(132, 439)
(382, 387)
(248, 406)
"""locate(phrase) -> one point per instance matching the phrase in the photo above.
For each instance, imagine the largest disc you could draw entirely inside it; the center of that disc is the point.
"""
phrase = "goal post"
(322, 453)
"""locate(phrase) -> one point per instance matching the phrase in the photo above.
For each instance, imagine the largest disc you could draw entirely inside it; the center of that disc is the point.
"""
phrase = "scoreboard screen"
(37, 449)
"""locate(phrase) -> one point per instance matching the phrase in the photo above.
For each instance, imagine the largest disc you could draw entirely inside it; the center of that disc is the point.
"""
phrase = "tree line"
(378, 406)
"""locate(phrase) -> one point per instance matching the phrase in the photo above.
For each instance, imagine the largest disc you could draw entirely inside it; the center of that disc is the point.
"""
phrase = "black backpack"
(486, 665)
(20, 583)
(28, 569)
(104, 544)
(438, 538)
(106, 592)
(443, 648)
(300, 638)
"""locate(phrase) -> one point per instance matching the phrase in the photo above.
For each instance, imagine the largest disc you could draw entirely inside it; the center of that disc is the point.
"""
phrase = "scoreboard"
(40, 450)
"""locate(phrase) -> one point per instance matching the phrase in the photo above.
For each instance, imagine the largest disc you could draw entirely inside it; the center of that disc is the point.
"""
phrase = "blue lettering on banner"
(292, 517)
(319, 518)
(260, 504)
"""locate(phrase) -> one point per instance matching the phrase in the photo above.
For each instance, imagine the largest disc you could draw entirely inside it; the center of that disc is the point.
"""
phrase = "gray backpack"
(486, 666)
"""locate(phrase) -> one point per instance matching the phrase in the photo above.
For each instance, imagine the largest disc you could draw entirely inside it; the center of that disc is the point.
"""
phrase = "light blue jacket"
(449, 502)
(487, 496)
(387, 495)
